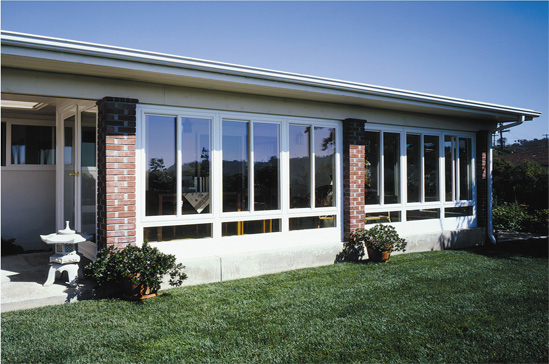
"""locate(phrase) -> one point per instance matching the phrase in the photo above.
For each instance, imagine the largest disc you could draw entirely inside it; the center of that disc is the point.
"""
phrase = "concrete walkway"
(22, 278)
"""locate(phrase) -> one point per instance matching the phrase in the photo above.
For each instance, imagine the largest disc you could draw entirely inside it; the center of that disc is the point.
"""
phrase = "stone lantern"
(65, 258)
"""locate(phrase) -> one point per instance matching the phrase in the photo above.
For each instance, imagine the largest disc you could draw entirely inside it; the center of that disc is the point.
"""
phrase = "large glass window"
(300, 166)
(459, 168)
(235, 166)
(372, 167)
(465, 169)
(413, 167)
(32, 144)
(391, 167)
(430, 155)
(161, 168)
(424, 166)
(218, 175)
(324, 166)
(195, 165)
(266, 166)
(3, 144)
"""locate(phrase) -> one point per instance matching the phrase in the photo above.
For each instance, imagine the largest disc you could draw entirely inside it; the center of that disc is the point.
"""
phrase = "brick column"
(116, 215)
(354, 173)
(482, 178)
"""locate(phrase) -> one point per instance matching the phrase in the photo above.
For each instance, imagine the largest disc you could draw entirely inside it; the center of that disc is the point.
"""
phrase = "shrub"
(515, 217)
(144, 267)
(509, 217)
(381, 237)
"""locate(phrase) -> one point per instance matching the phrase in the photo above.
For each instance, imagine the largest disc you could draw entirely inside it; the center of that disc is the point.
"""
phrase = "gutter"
(490, 168)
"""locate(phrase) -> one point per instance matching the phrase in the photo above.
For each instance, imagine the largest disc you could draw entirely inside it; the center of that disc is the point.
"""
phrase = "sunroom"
(237, 170)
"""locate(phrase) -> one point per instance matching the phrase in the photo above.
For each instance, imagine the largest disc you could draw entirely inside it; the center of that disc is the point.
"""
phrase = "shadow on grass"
(531, 248)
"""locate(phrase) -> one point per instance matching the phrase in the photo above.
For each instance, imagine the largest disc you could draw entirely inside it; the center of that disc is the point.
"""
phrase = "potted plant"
(134, 272)
(380, 241)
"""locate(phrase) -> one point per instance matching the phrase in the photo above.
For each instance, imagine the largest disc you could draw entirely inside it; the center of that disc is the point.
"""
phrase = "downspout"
(490, 167)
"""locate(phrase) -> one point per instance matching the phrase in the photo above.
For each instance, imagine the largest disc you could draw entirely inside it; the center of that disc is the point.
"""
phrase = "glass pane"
(300, 166)
(178, 232)
(324, 166)
(382, 217)
(449, 167)
(465, 170)
(266, 166)
(32, 144)
(235, 166)
(161, 156)
(195, 154)
(413, 166)
(430, 153)
(312, 222)
(372, 167)
(458, 211)
(3, 144)
(391, 167)
(424, 214)
(250, 227)
(89, 174)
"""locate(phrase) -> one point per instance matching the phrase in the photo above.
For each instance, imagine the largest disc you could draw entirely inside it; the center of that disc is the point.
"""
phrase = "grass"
(484, 305)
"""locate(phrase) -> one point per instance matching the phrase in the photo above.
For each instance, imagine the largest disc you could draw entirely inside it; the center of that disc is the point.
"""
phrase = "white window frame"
(216, 217)
(438, 224)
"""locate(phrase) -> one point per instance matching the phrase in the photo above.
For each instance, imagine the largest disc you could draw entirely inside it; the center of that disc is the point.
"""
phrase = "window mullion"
(178, 167)
(422, 168)
(312, 166)
(381, 168)
(251, 168)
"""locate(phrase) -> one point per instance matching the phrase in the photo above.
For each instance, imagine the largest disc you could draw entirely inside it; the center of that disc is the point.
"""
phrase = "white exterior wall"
(28, 206)
(95, 88)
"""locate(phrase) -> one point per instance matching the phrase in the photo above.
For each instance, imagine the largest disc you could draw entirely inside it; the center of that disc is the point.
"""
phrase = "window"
(438, 172)
(32, 144)
(161, 159)
(266, 166)
(459, 168)
(195, 165)
(222, 174)
(413, 167)
(3, 144)
(431, 158)
(391, 167)
(300, 166)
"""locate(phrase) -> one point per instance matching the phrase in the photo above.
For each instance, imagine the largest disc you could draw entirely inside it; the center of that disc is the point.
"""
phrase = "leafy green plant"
(380, 237)
(144, 267)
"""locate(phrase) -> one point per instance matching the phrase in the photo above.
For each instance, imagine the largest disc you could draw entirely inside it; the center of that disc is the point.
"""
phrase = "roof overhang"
(39, 53)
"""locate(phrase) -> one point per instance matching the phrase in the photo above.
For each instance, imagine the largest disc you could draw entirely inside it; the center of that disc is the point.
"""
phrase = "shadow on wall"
(351, 253)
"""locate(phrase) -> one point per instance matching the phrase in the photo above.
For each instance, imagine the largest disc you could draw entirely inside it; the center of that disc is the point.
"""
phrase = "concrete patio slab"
(22, 279)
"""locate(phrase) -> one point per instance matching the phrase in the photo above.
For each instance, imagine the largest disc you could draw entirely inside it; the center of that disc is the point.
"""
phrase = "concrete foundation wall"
(223, 267)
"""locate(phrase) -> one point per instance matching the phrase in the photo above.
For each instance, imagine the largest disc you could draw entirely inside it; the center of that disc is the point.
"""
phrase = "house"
(237, 170)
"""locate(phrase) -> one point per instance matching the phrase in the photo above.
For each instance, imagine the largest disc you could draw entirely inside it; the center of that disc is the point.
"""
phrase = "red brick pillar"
(116, 215)
(354, 173)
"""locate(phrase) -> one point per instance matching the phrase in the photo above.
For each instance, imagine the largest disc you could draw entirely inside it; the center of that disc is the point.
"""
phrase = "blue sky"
(485, 51)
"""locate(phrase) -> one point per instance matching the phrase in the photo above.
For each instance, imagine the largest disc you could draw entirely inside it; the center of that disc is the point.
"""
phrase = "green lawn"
(484, 305)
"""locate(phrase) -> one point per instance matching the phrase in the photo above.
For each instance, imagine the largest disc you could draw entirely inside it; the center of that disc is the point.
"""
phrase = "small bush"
(144, 267)
(381, 237)
(515, 217)
(509, 217)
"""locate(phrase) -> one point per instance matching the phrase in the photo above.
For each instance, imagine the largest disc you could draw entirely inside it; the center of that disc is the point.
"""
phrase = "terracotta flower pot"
(378, 256)
(134, 292)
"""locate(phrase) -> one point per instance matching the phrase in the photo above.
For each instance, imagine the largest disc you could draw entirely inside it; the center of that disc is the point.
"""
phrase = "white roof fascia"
(289, 80)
